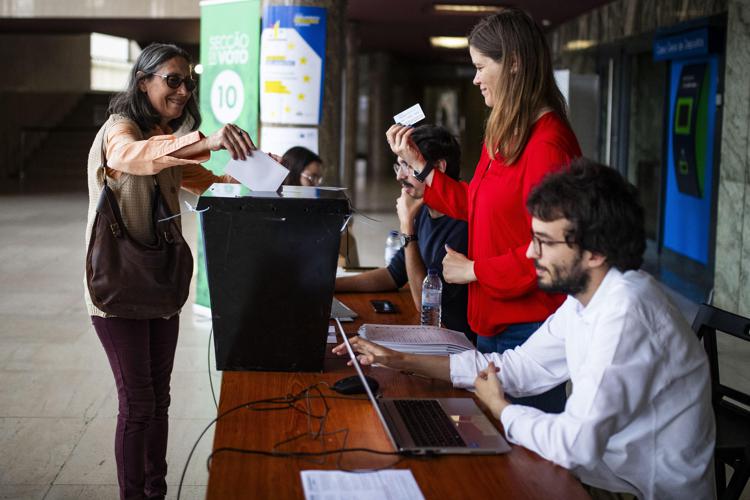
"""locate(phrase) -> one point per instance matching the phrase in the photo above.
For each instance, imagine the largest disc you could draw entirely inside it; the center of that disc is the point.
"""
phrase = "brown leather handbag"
(129, 279)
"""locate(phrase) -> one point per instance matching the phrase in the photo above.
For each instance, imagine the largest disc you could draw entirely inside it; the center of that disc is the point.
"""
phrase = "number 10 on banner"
(227, 96)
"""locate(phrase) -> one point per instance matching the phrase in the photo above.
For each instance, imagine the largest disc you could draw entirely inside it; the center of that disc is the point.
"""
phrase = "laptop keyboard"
(427, 423)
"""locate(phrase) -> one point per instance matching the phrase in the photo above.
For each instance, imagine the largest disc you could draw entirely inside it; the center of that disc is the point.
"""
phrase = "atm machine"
(692, 124)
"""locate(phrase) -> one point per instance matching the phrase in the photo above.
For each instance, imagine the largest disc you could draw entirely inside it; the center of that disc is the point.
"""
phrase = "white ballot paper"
(410, 116)
(258, 172)
(338, 485)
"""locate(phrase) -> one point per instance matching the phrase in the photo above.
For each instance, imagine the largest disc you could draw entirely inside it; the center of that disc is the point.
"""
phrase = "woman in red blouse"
(527, 136)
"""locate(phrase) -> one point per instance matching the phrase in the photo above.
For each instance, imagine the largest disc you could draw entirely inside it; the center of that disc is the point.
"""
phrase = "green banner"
(230, 39)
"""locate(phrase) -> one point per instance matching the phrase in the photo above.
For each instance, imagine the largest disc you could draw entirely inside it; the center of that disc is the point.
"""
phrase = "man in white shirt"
(639, 418)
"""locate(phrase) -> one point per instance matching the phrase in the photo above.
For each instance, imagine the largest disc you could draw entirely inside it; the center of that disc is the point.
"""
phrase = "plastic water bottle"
(432, 297)
(392, 246)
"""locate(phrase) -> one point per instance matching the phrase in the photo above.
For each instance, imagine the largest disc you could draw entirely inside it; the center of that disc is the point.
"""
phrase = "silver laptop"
(433, 426)
(342, 311)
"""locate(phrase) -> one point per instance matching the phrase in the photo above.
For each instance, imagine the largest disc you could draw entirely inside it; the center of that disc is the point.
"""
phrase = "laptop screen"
(360, 373)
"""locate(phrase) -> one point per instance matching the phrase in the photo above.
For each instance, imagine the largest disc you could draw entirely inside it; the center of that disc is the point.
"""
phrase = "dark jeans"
(552, 401)
(141, 354)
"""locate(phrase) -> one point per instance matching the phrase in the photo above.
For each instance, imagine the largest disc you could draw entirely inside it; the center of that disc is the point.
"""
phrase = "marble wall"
(732, 273)
(625, 18)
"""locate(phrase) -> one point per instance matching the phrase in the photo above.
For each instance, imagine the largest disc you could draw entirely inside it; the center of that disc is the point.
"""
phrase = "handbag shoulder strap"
(108, 207)
(102, 170)
(111, 121)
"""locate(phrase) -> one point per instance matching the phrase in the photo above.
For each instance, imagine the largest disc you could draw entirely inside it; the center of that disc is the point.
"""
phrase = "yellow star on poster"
(287, 109)
(303, 60)
(301, 97)
(306, 78)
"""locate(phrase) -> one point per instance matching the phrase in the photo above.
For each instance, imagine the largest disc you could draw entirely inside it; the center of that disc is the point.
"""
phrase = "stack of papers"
(338, 485)
(417, 339)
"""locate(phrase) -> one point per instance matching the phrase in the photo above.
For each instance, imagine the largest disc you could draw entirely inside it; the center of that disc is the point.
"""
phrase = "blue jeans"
(552, 401)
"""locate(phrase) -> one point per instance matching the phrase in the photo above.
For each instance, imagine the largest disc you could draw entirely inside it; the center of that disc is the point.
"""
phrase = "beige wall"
(45, 63)
(101, 8)
(43, 78)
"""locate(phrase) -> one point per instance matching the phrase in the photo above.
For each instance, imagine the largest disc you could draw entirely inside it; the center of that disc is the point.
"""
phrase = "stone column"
(732, 272)
(329, 129)
(380, 105)
(351, 105)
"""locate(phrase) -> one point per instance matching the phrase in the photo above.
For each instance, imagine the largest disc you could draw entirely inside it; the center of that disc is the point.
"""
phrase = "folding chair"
(732, 419)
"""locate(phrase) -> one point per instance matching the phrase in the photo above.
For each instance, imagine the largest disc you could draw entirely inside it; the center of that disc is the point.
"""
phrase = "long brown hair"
(526, 84)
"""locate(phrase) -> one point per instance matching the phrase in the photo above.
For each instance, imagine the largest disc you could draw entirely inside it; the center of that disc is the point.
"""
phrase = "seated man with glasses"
(424, 234)
(638, 421)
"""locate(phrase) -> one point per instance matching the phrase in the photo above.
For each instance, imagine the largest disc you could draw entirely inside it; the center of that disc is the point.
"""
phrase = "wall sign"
(292, 64)
(230, 30)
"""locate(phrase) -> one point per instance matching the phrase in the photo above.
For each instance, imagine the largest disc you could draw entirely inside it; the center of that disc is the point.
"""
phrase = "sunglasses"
(174, 81)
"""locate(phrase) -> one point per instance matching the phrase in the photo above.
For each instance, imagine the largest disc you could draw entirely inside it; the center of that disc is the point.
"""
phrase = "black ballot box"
(271, 268)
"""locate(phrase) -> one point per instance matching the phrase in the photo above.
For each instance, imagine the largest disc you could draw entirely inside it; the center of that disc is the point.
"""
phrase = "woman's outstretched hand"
(233, 139)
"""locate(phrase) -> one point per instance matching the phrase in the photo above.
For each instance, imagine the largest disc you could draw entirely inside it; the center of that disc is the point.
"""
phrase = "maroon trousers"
(141, 354)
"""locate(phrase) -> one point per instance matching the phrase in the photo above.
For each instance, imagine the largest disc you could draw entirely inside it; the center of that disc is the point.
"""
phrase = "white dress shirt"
(639, 419)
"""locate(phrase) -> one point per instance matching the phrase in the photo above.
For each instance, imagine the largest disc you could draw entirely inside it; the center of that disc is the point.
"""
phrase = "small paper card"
(258, 172)
(410, 116)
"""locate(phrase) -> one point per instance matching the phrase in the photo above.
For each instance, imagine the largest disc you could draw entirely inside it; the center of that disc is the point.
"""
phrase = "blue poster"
(292, 64)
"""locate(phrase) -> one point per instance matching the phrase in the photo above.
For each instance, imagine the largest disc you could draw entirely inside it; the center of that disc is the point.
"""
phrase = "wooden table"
(519, 474)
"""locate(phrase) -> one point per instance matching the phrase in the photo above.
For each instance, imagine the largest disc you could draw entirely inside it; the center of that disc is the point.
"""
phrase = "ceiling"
(144, 31)
(404, 26)
(399, 26)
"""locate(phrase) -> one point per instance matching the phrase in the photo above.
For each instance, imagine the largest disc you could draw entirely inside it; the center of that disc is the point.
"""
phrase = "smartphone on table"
(384, 306)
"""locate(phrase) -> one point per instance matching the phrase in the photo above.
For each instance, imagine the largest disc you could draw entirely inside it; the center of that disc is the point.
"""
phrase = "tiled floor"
(57, 398)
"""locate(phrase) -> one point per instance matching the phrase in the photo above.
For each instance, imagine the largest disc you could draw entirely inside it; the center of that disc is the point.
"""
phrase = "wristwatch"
(406, 238)
(421, 176)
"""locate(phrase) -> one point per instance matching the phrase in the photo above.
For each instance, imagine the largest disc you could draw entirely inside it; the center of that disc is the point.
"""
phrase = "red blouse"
(494, 204)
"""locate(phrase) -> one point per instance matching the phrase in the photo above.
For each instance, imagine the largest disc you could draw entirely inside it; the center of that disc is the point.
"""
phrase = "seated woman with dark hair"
(306, 169)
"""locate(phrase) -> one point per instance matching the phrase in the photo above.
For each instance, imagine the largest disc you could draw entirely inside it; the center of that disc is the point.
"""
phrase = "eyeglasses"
(174, 81)
(314, 179)
(538, 243)
(402, 167)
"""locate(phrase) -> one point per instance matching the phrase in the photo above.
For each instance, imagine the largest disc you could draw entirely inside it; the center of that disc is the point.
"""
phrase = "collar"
(598, 300)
